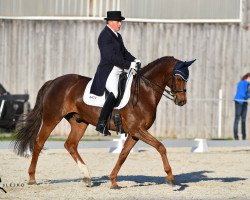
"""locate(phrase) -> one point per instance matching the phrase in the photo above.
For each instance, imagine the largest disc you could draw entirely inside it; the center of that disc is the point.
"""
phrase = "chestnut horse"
(63, 98)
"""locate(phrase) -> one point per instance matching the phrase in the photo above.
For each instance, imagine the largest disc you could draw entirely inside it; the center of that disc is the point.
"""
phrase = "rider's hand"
(133, 68)
(133, 65)
(137, 60)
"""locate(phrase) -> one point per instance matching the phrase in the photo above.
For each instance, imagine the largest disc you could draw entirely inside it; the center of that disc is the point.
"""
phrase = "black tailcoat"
(113, 53)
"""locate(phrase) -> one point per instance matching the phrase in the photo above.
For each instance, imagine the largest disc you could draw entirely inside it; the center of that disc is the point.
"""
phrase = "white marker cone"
(119, 146)
(201, 146)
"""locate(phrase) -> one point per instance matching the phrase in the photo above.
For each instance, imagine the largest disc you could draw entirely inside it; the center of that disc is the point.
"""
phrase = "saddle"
(124, 92)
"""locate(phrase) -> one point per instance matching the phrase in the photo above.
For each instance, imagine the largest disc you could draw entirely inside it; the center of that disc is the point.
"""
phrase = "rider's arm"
(109, 53)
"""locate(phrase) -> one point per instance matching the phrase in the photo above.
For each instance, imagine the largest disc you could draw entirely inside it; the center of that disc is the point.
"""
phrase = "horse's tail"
(29, 126)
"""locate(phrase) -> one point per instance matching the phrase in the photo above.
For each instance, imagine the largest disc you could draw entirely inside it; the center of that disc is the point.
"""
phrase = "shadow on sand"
(182, 180)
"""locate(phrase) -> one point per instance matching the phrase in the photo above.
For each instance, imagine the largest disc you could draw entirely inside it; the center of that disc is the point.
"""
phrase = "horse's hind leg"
(76, 133)
(146, 137)
(128, 145)
(42, 136)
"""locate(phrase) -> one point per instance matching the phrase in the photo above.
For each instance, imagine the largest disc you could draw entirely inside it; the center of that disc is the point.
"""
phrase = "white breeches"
(112, 81)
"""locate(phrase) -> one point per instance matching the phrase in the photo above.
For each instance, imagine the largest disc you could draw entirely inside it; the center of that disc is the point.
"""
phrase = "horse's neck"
(157, 76)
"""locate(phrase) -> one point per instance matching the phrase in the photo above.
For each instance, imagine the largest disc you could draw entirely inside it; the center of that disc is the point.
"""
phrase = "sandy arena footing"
(221, 173)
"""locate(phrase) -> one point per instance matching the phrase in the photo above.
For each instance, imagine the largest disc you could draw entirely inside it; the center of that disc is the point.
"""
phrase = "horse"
(62, 97)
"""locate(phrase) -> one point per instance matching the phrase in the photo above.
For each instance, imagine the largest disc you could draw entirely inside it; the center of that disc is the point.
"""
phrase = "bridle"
(173, 88)
(170, 94)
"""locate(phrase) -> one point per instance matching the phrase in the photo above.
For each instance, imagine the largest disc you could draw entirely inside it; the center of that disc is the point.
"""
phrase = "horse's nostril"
(182, 103)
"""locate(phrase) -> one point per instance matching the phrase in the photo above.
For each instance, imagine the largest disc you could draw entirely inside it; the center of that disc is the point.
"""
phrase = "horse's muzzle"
(179, 102)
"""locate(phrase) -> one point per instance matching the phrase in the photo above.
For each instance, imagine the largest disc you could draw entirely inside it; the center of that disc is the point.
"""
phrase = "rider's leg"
(112, 81)
(112, 87)
(105, 112)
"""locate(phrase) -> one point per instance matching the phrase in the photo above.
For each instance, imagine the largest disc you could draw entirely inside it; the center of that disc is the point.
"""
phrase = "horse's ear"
(188, 63)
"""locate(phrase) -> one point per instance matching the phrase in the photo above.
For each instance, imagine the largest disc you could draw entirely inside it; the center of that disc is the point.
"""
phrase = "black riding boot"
(105, 112)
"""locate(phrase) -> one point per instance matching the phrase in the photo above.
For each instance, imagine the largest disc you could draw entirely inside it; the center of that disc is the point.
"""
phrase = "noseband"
(173, 88)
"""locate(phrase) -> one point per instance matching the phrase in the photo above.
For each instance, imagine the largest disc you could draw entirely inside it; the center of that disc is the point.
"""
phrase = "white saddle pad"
(94, 100)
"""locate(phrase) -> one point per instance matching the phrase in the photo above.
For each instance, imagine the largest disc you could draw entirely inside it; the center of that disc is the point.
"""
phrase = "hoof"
(87, 182)
(33, 182)
(171, 183)
(115, 187)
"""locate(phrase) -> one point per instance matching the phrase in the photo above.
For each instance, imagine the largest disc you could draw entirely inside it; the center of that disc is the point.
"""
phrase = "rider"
(114, 59)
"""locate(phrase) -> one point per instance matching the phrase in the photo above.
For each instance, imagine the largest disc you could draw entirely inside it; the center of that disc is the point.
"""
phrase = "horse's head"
(178, 82)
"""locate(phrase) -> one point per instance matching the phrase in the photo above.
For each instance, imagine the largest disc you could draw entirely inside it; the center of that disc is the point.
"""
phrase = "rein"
(137, 89)
(169, 94)
(155, 86)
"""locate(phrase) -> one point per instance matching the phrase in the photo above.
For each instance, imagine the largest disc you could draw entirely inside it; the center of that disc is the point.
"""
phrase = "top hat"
(114, 15)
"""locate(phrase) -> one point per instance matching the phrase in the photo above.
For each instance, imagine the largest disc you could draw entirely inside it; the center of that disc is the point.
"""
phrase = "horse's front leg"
(146, 137)
(128, 145)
